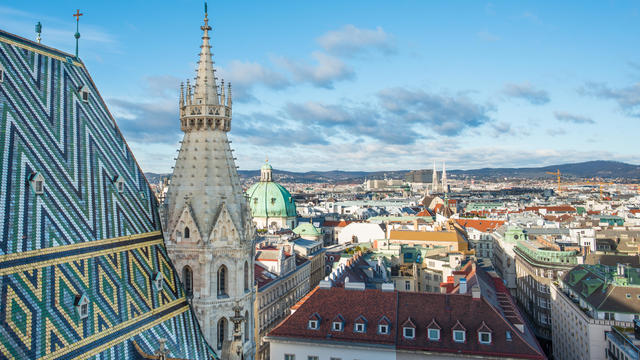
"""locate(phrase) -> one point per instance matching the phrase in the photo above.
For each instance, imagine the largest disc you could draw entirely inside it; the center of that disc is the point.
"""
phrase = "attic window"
(484, 337)
(383, 329)
(82, 306)
(37, 183)
(458, 336)
(434, 334)
(408, 332)
(336, 326)
(84, 94)
(1, 74)
(273, 201)
(359, 327)
(157, 281)
(628, 296)
(119, 183)
(313, 324)
(509, 337)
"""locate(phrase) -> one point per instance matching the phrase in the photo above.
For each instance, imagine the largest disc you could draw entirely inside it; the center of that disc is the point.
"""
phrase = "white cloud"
(326, 70)
(350, 40)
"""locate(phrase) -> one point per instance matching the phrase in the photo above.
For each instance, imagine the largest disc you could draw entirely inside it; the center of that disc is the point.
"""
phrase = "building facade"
(536, 267)
(208, 227)
(282, 278)
(586, 303)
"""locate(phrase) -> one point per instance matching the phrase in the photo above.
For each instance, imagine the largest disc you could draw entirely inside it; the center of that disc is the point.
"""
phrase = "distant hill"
(589, 169)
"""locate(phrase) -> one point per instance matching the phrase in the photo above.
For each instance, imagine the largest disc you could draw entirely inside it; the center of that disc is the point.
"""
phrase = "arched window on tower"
(187, 232)
(187, 279)
(246, 276)
(222, 281)
(222, 327)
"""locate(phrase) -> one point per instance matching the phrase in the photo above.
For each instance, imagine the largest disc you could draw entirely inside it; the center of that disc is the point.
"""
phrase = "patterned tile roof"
(89, 230)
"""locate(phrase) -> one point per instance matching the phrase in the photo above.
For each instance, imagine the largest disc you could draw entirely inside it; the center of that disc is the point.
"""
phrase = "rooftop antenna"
(38, 32)
(77, 35)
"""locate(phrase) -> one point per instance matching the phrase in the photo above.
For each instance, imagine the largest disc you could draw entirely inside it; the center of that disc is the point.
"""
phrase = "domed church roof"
(270, 199)
(307, 228)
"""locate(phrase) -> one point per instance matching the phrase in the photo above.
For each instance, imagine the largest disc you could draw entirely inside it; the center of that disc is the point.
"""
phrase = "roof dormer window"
(158, 281)
(119, 183)
(1, 73)
(314, 322)
(433, 331)
(383, 329)
(338, 323)
(509, 336)
(82, 306)
(336, 326)
(484, 334)
(459, 332)
(458, 336)
(408, 332)
(84, 93)
(360, 324)
(36, 180)
(484, 338)
(408, 329)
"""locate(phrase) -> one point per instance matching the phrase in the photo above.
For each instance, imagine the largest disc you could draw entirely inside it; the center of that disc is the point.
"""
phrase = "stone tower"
(445, 185)
(207, 221)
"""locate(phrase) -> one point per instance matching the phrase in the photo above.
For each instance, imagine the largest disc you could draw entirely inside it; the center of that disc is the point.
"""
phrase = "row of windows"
(459, 336)
(222, 279)
(36, 180)
(82, 300)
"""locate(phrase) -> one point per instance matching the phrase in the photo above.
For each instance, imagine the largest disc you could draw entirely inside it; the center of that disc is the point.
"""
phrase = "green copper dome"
(308, 229)
(270, 199)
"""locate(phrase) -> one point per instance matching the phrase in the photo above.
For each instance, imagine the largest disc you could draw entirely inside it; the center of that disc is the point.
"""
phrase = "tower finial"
(38, 31)
(206, 92)
(77, 35)
(205, 9)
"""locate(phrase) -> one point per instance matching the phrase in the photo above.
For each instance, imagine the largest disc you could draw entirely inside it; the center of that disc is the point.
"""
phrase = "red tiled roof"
(332, 223)
(350, 304)
(421, 309)
(481, 224)
(635, 211)
(460, 312)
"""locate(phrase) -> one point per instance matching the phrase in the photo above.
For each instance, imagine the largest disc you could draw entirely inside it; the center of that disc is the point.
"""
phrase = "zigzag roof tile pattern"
(89, 230)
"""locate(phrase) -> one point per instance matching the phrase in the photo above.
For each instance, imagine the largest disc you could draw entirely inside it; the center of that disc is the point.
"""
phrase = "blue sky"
(369, 85)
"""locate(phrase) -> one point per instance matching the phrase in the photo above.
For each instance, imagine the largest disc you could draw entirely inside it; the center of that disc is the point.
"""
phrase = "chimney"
(463, 286)
(388, 287)
(475, 292)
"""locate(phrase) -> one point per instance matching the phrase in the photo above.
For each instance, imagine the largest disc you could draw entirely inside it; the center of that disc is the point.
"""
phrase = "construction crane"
(557, 173)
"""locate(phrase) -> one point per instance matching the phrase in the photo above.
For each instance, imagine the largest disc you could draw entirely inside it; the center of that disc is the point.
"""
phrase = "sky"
(368, 85)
